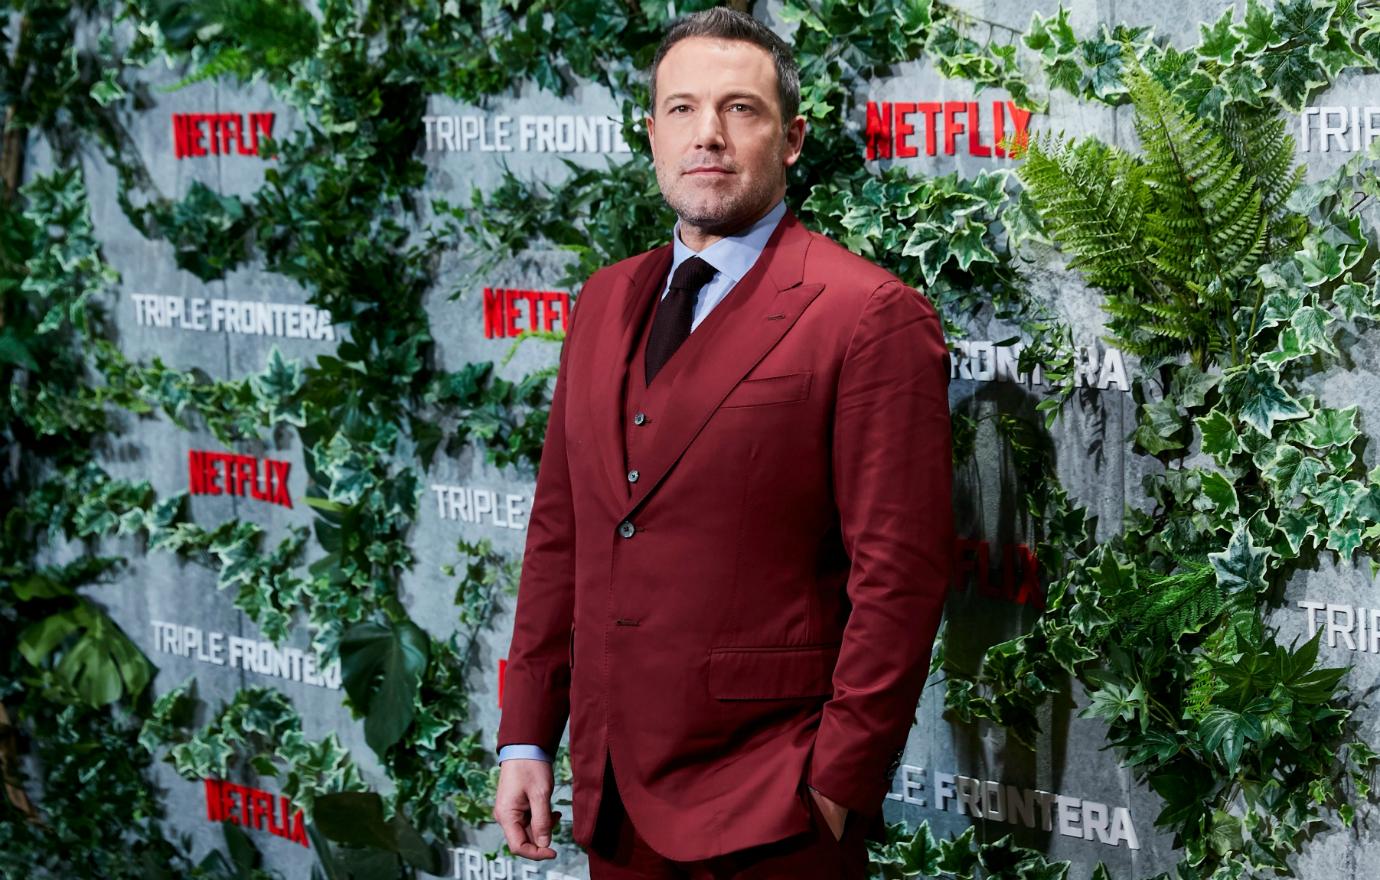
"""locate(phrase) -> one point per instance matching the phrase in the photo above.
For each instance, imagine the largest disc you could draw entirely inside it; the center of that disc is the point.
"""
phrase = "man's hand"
(834, 813)
(523, 807)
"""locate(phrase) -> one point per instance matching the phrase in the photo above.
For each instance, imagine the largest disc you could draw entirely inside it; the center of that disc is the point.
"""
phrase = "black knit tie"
(675, 313)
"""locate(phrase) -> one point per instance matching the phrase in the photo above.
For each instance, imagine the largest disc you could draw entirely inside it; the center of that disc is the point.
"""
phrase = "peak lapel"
(763, 306)
(629, 301)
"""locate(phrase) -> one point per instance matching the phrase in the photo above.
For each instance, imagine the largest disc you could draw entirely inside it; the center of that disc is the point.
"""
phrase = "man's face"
(720, 148)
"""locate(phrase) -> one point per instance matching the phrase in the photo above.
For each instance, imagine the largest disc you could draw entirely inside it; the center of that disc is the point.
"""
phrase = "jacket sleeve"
(893, 473)
(536, 684)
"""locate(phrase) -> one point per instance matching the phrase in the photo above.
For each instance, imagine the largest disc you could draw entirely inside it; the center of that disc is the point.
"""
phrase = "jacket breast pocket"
(766, 390)
(772, 672)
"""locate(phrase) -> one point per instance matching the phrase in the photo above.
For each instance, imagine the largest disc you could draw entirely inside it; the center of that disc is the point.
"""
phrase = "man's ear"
(795, 141)
(651, 130)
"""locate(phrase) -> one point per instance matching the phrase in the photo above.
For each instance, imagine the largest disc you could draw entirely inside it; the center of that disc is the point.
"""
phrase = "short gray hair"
(729, 24)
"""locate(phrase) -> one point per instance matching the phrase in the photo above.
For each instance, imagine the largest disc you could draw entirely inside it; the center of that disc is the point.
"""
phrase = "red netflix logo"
(216, 134)
(890, 128)
(229, 473)
(1016, 580)
(503, 310)
(251, 807)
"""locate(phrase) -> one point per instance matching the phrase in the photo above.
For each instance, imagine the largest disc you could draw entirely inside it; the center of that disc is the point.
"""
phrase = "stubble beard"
(717, 214)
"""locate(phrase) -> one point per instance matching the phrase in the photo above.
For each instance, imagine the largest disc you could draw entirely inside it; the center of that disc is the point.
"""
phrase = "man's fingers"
(522, 807)
(541, 820)
(516, 830)
(516, 835)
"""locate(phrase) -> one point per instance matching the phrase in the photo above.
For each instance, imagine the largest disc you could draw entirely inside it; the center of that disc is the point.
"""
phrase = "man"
(739, 545)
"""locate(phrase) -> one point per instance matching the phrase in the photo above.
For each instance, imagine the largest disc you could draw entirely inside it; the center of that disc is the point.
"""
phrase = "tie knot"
(692, 274)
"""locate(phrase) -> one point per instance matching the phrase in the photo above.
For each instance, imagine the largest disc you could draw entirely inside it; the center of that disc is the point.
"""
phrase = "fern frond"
(1239, 629)
(1174, 605)
(236, 37)
(1262, 144)
(1208, 219)
(1092, 197)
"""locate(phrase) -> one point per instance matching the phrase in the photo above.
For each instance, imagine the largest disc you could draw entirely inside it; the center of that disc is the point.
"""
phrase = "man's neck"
(697, 239)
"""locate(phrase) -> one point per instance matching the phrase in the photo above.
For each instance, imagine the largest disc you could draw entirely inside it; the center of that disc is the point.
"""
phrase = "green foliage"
(208, 231)
(258, 732)
(232, 38)
(1166, 607)
(357, 818)
(1173, 234)
(100, 817)
(1248, 741)
(917, 853)
(98, 662)
(382, 664)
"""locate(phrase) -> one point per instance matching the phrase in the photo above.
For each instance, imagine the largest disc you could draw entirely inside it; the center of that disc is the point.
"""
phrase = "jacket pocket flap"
(772, 673)
(763, 390)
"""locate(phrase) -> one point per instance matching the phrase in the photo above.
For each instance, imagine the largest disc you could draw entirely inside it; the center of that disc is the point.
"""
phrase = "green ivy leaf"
(1242, 565)
(1220, 494)
(1297, 525)
(1331, 427)
(1261, 401)
(1111, 701)
(1356, 300)
(1291, 75)
(1312, 325)
(1160, 421)
(1220, 41)
(1289, 348)
(1336, 497)
(1065, 648)
(1220, 439)
(1105, 67)
(1258, 29)
(277, 388)
(1290, 472)
(1346, 537)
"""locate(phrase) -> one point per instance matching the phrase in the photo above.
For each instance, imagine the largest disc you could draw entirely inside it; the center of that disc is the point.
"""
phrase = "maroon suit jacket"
(784, 555)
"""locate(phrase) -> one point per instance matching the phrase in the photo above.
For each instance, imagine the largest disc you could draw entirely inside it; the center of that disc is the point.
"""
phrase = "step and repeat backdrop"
(235, 678)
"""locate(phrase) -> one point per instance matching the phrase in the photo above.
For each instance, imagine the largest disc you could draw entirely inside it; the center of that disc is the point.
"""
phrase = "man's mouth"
(709, 169)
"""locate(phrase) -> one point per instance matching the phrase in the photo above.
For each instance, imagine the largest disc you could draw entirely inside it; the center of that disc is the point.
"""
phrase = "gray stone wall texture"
(1096, 812)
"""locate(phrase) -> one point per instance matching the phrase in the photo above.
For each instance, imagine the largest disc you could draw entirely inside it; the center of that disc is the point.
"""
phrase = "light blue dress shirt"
(732, 257)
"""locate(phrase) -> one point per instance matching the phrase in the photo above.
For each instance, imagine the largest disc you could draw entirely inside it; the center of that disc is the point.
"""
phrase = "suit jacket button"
(632, 476)
(639, 418)
(626, 529)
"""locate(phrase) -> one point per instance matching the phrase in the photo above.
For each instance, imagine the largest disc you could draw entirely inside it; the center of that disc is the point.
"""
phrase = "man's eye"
(679, 107)
(747, 107)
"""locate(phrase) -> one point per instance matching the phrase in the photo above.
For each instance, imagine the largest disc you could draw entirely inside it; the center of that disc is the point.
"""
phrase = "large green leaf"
(357, 819)
(100, 664)
(1261, 401)
(1226, 732)
(381, 667)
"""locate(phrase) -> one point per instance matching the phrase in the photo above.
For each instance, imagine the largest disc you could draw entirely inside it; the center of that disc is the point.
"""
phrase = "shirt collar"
(733, 255)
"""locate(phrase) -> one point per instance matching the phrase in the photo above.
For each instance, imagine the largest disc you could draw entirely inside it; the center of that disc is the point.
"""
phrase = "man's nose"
(709, 131)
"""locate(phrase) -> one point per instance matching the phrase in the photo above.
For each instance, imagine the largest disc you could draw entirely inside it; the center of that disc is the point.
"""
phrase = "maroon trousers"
(618, 852)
